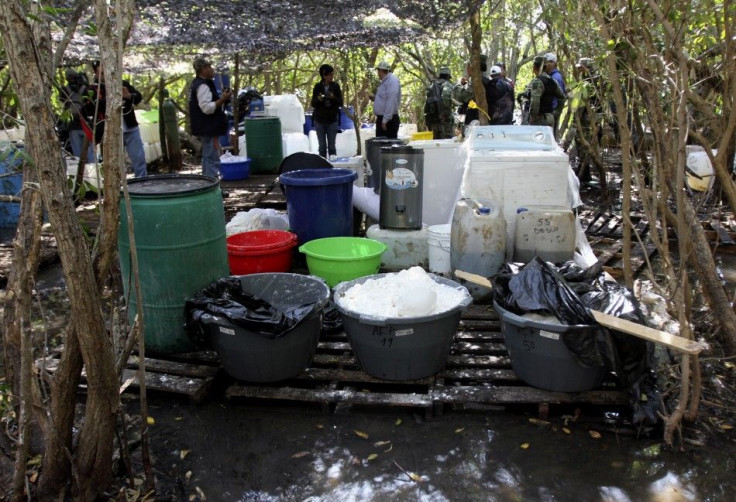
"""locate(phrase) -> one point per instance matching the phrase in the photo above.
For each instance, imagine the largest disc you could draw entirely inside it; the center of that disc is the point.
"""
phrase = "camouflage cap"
(444, 70)
(539, 61)
(200, 63)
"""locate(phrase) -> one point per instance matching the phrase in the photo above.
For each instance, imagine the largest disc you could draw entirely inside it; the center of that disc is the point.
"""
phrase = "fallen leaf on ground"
(183, 454)
(537, 421)
(372, 456)
(381, 443)
(726, 427)
(33, 477)
(200, 493)
(566, 430)
(361, 434)
(150, 420)
(595, 434)
(459, 430)
(188, 476)
(300, 454)
(178, 418)
(524, 446)
(398, 421)
(415, 477)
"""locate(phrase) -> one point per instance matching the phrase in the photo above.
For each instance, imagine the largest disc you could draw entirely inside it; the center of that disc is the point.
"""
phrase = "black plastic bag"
(567, 293)
(539, 287)
(226, 300)
(332, 320)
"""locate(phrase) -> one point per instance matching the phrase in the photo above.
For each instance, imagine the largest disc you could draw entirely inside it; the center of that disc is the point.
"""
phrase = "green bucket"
(179, 225)
(263, 144)
(338, 259)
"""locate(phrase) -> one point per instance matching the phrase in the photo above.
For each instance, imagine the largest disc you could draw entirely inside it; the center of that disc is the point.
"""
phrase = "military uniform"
(543, 90)
(443, 126)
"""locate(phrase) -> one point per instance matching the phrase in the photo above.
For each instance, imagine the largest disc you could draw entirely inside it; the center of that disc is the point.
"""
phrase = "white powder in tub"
(409, 293)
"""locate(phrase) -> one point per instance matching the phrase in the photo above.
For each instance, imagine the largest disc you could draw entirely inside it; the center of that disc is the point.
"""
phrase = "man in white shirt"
(207, 115)
(386, 102)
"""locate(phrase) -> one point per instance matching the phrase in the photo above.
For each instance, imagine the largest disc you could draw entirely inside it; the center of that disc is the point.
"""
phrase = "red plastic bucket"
(258, 251)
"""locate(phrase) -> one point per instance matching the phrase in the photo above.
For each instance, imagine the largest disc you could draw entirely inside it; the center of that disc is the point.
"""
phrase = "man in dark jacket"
(207, 115)
(500, 98)
(131, 132)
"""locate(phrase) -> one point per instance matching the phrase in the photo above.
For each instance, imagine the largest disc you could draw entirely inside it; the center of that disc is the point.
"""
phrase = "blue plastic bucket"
(319, 202)
(11, 181)
(346, 123)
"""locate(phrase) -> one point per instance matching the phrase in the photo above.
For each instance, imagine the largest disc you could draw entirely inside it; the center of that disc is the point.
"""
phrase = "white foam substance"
(409, 293)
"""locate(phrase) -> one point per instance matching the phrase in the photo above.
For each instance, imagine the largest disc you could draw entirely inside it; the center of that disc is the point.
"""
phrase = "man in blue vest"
(207, 115)
(551, 69)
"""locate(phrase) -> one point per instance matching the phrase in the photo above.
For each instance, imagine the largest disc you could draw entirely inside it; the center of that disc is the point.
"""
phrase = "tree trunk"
(94, 456)
(479, 91)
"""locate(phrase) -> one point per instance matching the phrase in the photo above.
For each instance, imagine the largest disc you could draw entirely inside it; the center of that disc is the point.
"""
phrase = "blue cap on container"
(484, 210)
(521, 210)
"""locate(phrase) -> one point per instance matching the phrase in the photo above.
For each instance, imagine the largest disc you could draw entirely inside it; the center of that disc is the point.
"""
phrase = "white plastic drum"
(438, 248)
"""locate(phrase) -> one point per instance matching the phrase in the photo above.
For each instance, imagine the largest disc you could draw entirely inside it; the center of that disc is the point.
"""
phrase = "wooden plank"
(348, 396)
(524, 395)
(674, 342)
(480, 374)
(677, 343)
(175, 368)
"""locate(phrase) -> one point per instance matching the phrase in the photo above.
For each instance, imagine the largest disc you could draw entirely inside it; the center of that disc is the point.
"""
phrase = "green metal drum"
(263, 144)
(179, 225)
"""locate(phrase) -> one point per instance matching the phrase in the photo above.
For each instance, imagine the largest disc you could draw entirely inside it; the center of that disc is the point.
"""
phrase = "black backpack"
(432, 105)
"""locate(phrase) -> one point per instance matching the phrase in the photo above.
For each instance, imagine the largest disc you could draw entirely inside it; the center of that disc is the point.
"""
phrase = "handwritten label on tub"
(227, 331)
(404, 332)
(549, 334)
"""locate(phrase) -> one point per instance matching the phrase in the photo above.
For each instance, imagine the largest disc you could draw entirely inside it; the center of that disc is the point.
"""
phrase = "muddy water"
(240, 452)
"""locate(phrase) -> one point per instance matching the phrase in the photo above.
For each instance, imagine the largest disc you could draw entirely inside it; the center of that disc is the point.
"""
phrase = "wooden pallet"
(477, 374)
(191, 375)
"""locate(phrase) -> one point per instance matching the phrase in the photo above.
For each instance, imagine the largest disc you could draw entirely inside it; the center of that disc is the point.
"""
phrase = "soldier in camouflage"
(542, 93)
(443, 124)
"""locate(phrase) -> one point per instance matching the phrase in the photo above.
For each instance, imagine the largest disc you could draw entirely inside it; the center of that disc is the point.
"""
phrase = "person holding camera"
(207, 115)
(131, 132)
(76, 99)
(326, 102)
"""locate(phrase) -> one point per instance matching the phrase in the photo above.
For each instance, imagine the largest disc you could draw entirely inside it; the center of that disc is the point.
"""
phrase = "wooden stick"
(674, 342)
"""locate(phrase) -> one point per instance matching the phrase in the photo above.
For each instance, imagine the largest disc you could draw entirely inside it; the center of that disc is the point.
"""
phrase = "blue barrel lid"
(171, 185)
(484, 210)
(318, 177)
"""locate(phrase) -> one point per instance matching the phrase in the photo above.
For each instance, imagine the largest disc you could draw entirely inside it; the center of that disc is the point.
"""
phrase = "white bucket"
(438, 248)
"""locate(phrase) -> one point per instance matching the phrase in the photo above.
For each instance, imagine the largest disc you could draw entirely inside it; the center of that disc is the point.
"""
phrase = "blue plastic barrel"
(308, 123)
(319, 202)
(11, 181)
(346, 123)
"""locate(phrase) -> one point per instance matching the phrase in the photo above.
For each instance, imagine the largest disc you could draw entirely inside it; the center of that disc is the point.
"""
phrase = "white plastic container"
(406, 248)
(293, 142)
(544, 231)
(697, 162)
(477, 242)
(346, 143)
(438, 248)
(515, 178)
(288, 108)
(355, 163)
(242, 150)
(444, 163)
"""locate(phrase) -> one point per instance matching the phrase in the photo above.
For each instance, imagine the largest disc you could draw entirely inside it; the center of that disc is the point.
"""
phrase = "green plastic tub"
(338, 259)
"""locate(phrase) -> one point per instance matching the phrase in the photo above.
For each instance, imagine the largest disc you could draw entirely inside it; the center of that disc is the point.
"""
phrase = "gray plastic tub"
(540, 357)
(401, 348)
(249, 356)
